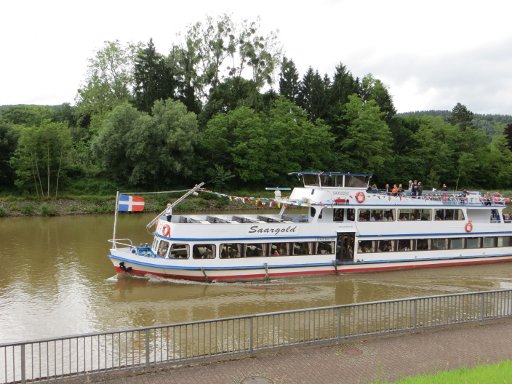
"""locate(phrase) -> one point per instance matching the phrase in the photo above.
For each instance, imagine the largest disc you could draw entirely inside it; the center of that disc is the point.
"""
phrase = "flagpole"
(115, 220)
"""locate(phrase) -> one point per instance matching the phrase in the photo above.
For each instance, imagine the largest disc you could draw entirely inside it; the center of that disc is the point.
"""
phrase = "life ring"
(166, 230)
(469, 226)
(360, 197)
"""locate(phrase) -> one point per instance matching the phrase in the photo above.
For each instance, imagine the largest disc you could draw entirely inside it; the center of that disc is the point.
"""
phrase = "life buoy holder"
(469, 227)
(360, 197)
(166, 230)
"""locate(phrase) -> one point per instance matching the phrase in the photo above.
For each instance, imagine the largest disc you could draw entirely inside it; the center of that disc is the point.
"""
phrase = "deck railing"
(47, 359)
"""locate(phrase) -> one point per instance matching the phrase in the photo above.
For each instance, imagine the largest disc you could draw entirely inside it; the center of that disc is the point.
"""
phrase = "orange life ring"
(469, 226)
(166, 230)
(360, 197)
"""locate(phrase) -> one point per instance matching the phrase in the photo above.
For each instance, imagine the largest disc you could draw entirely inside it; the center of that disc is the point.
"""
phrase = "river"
(56, 280)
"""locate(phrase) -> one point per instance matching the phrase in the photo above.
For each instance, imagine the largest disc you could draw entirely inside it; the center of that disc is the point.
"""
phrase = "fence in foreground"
(42, 360)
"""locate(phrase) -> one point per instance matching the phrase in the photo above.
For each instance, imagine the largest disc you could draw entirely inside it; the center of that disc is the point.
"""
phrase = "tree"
(42, 157)
(461, 116)
(148, 150)
(8, 143)
(289, 80)
(313, 94)
(374, 89)
(368, 145)
(109, 79)
(153, 78)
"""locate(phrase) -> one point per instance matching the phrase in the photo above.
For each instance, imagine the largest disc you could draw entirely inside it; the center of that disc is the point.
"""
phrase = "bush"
(47, 210)
(3, 213)
(27, 209)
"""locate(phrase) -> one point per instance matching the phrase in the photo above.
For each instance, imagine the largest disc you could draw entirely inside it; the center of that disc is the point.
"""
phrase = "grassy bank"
(12, 206)
(483, 374)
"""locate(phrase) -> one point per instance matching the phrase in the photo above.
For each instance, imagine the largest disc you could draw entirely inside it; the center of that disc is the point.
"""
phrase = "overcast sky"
(430, 53)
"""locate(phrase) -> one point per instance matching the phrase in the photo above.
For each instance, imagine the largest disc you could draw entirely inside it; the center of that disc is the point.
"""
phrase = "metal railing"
(46, 359)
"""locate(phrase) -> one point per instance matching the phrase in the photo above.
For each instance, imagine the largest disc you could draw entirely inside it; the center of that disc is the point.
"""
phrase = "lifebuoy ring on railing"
(360, 197)
(469, 226)
(166, 230)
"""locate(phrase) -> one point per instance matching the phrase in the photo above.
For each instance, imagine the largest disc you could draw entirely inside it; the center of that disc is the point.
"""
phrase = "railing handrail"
(257, 315)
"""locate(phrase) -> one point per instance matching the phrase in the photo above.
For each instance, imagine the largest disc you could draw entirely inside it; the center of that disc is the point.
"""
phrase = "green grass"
(483, 374)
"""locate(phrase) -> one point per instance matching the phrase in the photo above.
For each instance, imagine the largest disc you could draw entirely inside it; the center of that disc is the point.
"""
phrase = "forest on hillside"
(225, 106)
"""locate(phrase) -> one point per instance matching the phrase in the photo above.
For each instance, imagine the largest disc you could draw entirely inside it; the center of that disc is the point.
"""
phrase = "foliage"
(42, 157)
(144, 150)
(8, 143)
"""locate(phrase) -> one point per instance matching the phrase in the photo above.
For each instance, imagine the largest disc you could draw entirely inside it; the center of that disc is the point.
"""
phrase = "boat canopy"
(334, 179)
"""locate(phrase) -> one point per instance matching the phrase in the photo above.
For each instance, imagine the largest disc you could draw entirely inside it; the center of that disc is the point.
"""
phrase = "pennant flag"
(130, 203)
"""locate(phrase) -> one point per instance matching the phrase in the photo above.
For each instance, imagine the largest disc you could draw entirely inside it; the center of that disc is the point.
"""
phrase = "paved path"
(363, 360)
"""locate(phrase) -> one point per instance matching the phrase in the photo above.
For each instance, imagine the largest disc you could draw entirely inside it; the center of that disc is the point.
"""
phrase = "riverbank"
(13, 206)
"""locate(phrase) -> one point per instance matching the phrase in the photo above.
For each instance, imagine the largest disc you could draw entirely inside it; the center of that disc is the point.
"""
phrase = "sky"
(431, 54)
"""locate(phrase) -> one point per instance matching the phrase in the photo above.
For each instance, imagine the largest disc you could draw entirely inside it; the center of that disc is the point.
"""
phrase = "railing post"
(482, 305)
(339, 323)
(414, 309)
(23, 373)
(251, 347)
(147, 347)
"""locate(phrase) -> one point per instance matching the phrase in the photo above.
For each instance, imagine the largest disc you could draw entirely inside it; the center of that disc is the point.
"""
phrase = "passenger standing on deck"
(419, 189)
(444, 188)
(414, 188)
(168, 212)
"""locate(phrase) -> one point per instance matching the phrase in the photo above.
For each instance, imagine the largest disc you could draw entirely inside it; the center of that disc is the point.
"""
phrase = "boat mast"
(115, 220)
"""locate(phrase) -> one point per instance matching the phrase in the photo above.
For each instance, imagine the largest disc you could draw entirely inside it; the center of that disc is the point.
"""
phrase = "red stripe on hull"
(342, 269)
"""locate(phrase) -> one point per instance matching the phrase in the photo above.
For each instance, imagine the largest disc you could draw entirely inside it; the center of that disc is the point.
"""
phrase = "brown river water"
(56, 280)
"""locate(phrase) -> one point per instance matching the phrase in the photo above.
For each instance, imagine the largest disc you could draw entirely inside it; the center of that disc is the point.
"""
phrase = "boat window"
(351, 214)
(356, 181)
(364, 215)
(154, 247)
(300, 248)
(338, 214)
(425, 214)
(163, 247)
(230, 251)
(422, 244)
(405, 214)
(457, 243)
(325, 248)
(385, 246)
(404, 245)
(339, 181)
(473, 242)
(179, 251)
(254, 250)
(504, 241)
(278, 249)
(328, 180)
(204, 251)
(311, 180)
(438, 244)
(365, 246)
(495, 216)
(489, 242)
(449, 214)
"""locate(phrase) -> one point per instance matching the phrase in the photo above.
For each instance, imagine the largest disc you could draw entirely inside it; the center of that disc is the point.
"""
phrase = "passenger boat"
(346, 227)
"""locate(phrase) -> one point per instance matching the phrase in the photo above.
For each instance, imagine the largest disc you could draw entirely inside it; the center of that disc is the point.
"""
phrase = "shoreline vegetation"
(15, 206)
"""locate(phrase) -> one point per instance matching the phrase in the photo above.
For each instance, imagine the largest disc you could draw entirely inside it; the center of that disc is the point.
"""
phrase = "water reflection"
(55, 279)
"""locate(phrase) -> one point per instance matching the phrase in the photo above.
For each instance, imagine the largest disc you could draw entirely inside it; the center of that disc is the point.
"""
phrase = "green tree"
(42, 157)
(462, 116)
(374, 89)
(109, 79)
(289, 80)
(153, 78)
(8, 143)
(313, 94)
(148, 150)
(368, 145)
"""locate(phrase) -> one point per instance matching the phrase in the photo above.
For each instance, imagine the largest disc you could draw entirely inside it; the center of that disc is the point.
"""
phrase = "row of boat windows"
(404, 245)
(238, 250)
(400, 214)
